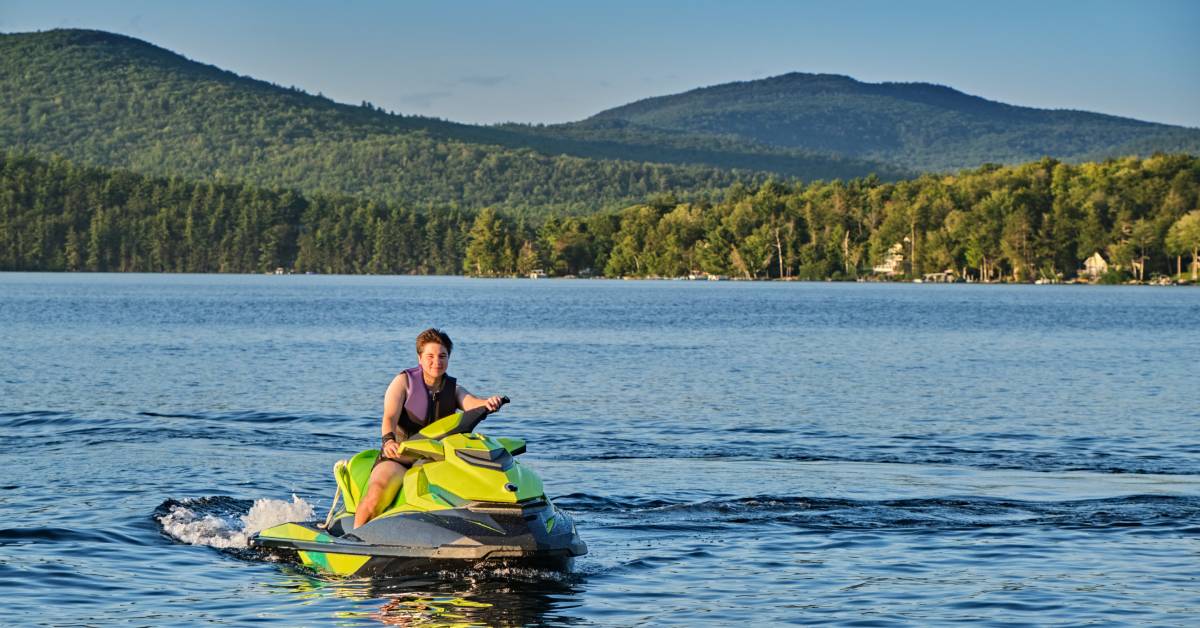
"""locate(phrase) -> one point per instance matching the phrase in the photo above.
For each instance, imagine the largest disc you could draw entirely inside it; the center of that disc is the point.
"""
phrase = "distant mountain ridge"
(111, 100)
(915, 125)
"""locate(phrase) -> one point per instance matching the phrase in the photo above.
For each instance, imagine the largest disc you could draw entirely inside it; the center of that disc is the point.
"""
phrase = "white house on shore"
(1094, 266)
(893, 262)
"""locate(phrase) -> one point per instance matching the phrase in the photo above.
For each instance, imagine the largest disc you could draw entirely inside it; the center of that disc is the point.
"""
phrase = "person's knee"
(379, 486)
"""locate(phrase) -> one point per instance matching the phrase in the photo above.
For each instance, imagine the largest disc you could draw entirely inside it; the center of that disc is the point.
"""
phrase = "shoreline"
(1153, 284)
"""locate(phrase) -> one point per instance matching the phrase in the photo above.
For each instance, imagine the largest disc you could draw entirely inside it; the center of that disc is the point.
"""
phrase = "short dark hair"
(434, 334)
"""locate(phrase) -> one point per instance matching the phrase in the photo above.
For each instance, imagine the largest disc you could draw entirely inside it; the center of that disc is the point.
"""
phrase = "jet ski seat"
(352, 476)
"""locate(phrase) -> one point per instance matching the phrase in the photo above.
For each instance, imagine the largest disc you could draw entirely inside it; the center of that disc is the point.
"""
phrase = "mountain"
(110, 100)
(913, 125)
(619, 139)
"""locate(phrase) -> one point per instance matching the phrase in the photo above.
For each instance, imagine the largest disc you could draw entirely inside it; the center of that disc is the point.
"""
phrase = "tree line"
(994, 223)
(1014, 223)
(56, 215)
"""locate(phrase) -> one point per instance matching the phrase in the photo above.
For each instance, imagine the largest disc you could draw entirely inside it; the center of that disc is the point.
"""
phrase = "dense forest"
(1039, 220)
(920, 126)
(104, 99)
(55, 215)
(1012, 223)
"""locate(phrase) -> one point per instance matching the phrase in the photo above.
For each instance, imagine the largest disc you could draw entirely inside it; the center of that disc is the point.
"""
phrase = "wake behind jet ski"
(465, 500)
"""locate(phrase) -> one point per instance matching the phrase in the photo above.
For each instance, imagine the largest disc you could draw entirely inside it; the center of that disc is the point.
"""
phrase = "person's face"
(434, 359)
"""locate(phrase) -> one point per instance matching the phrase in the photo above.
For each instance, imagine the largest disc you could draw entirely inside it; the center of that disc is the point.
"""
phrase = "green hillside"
(106, 99)
(1014, 223)
(918, 125)
(620, 139)
(110, 100)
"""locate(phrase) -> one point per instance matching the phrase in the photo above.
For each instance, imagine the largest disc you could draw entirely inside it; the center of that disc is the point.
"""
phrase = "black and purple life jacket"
(424, 407)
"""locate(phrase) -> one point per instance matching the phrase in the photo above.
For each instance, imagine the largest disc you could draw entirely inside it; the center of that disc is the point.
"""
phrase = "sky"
(487, 62)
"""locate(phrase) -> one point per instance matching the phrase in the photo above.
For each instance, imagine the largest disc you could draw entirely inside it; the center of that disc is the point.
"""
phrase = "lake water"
(758, 453)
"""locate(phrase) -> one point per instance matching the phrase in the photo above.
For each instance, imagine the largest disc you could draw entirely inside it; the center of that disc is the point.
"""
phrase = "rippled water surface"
(732, 452)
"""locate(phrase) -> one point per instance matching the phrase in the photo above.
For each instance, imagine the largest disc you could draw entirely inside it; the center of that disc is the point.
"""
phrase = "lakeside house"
(1094, 266)
(893, 262)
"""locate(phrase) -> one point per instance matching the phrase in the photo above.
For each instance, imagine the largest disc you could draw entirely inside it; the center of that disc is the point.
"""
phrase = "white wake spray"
(187, 526)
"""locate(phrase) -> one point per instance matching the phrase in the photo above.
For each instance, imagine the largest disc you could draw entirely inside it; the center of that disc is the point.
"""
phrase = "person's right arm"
(393, 405)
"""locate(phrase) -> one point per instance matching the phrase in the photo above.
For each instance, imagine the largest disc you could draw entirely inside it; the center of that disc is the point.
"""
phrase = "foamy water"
(187, 526)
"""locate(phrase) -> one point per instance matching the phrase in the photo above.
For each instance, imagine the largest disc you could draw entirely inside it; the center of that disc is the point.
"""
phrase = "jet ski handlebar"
(459, 423)
(471, 418)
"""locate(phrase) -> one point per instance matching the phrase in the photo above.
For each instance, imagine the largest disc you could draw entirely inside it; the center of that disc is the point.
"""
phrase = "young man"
(416, 397)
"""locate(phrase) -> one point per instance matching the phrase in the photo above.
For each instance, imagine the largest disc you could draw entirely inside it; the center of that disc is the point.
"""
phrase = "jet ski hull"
(410, 541)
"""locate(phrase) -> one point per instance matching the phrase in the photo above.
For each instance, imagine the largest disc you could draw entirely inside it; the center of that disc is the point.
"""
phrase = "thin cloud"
(483, 80)
(425, 99)
(666, 78)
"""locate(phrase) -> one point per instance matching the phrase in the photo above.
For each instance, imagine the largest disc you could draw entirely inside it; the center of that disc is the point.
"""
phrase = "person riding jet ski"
(439, 494)
(416, 397)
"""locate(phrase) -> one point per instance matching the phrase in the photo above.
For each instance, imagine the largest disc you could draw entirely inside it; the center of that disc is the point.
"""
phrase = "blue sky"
(559, 61)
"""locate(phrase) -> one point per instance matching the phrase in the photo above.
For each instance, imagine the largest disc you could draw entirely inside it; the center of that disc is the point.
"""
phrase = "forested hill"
(106, 99)
(1017, 223)
(917, 125)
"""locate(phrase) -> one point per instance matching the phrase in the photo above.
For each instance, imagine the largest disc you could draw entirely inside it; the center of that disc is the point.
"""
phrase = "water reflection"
(415, 609)
(489, 596)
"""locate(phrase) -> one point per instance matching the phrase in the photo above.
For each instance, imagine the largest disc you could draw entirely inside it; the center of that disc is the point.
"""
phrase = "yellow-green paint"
(422, 448)
(341, 564)
(294, 532)
(472, 482)
(442, 426)
(426, 486)
(511, 444)
(486, 526)
(428, 611)
(326, 561)
(352, 476)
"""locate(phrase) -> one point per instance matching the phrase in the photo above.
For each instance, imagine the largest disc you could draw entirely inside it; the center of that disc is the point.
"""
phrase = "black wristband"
(389, 436)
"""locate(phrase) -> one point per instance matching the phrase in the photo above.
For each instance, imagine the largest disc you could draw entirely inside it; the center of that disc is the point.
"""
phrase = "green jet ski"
(465, 500)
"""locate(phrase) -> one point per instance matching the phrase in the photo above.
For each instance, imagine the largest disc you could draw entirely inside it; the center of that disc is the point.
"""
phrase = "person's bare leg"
(386, 479)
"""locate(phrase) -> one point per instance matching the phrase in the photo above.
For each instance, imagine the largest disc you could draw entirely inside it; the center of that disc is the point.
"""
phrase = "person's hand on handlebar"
(494, 402)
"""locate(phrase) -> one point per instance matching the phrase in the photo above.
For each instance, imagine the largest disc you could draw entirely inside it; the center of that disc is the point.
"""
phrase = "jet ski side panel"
(341, 564)
(293, 536)
(540, 536)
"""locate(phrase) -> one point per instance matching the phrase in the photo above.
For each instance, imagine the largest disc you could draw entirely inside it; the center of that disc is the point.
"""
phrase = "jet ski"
(465, 500)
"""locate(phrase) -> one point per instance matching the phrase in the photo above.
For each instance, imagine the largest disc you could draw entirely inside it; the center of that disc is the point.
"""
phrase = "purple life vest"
(421, 407)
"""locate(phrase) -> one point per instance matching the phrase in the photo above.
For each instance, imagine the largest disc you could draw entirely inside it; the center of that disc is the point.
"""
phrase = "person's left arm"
(467, 401)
